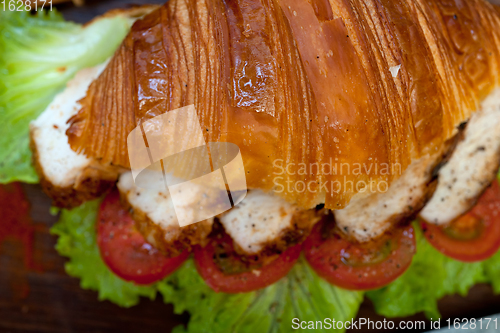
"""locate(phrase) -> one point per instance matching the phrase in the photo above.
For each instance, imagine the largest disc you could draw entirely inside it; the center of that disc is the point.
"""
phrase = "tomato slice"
(224, 271)
(359, 266)
(474, 236)
(124, 249)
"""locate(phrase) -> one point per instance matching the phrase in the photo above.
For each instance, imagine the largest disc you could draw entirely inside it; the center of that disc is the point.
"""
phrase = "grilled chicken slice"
(262, 224)
(369, 215)
(265, 224)
(155, 216)
(67, 177)
(471, 164)
(471, 168)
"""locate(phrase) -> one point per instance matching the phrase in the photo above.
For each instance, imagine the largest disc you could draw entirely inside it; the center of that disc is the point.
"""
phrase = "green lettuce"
(39, 54)
(77, 241)
(430, 277)
(492, 272)
(301, 294)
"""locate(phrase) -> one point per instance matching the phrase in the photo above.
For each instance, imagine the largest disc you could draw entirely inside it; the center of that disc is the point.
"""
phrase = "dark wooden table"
(48, 300)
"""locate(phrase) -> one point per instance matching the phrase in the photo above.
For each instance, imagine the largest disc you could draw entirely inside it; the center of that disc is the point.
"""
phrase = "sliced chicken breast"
(471, 168)
(266, 223)
(260, 224)
(369, 215)
(67, 177)
(153, 210)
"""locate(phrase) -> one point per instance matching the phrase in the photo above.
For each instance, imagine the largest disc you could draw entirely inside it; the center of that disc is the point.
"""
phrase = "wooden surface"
(51, 301)
(48, 300)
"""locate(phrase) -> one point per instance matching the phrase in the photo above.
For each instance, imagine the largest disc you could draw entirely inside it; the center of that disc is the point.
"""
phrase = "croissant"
(296, 83)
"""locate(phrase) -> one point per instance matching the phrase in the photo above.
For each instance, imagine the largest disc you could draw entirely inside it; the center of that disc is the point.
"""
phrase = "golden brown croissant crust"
(299, 81)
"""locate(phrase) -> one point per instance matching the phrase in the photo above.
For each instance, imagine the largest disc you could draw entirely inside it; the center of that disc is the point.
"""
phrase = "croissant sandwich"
(352, 118)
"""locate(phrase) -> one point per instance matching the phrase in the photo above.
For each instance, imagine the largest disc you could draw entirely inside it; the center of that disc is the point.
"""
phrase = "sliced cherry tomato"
(223, 271)
(359, 266)
(474, 236)
(124, 249)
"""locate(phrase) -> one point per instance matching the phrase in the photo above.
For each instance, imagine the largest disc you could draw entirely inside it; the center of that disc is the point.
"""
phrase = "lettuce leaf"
(77, 241)
(430, 277)
(301, 294)
(39, 54)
